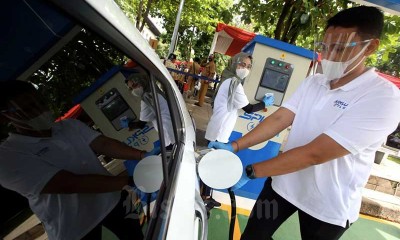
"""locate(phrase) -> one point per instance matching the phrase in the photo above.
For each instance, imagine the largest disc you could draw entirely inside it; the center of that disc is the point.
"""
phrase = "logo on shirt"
(340, 104)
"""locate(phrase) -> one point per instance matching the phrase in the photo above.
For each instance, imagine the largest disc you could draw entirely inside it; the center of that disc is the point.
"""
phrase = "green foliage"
(301, 22)
(221, 61)
(129, 7)
(387, 58)
(136, 10)
(87, 56)
(74, 68)
(294, 21)
(162, 47)
(197, 25)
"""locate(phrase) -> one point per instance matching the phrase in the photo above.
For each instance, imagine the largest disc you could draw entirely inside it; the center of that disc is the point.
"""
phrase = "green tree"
(197, 25)
(387, 58)
(294, 21)
(137, 10)
(82, 61)
(302, 22)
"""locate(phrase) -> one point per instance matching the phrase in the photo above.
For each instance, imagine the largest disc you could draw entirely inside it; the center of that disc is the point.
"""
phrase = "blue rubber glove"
(124, 122)
(242, 181)
(155, 151)
(269, 100)
(220, 145)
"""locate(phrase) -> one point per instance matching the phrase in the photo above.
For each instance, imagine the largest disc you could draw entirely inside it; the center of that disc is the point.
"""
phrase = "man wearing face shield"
(229, 98)
(139, 85)
(338, 120)
(55, 167)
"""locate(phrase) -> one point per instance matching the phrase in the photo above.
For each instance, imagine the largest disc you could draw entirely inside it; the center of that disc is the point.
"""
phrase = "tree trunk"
(294, 38)
(288, 24)
(285, 11)
(146, 13)
(190, 44)
(139, 14)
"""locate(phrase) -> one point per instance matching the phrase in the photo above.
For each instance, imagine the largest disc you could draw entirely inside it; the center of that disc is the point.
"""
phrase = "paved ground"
(366, 228)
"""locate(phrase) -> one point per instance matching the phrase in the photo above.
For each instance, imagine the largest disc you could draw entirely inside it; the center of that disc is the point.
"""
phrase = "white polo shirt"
(358, 116)
(28, 163)
(147, 115)
(222, 121)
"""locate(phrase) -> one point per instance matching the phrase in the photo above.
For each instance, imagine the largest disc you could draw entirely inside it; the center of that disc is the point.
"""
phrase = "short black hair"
(196, 59)
(12, 88)
(171, 56)
(367, 20)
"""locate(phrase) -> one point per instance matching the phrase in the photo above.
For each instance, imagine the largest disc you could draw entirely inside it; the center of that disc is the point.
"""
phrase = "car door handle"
(201, 213)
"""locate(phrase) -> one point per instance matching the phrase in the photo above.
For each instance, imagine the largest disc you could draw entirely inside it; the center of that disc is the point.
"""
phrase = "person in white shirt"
(230, 97)
(55, 167)
(339, 119)
(139, 85)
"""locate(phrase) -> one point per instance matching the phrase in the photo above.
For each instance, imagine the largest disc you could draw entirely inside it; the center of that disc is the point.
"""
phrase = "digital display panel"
(275, 80)
(115, 108)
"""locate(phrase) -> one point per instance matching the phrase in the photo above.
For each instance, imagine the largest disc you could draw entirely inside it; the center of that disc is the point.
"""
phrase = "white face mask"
(137, 92)
(336, 70)
(242, 73)
(42, 122)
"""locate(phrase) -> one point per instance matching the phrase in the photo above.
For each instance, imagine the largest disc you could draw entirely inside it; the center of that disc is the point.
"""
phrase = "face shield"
(140, 83)
(243, 69)
(340, 54)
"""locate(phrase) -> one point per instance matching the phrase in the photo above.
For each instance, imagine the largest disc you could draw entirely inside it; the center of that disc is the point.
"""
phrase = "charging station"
(108, 100)
(278, 68)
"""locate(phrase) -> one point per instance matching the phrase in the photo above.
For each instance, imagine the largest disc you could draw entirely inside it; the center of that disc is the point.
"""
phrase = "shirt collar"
(360, 80)
(356, 82)
(29, 139)
(15, 137)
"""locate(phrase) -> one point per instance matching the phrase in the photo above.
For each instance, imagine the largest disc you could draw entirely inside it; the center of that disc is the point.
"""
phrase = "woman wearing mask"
(139, 86)
(230, 97)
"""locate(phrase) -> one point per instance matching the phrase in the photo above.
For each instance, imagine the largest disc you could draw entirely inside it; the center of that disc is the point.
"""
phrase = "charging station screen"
(115, 108)
(275, 80)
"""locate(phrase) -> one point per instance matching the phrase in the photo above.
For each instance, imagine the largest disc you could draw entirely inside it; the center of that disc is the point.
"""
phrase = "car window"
(92, 74)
